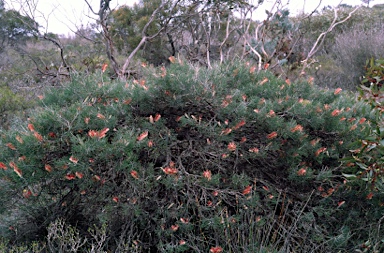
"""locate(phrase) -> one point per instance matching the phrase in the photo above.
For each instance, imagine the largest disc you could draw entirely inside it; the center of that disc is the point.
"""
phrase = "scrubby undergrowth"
(188, 160)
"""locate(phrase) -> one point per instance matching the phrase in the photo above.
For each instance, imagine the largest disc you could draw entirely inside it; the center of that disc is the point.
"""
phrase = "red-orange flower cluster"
(247, 190)
(142, 136)
(297, 128)
(207, 174)
(98, 134)
(320, 150)
(170, 171)
(3, 166)
(16, 169)
(216, 249)
(134, 174)
(272, 135)
(231, 146)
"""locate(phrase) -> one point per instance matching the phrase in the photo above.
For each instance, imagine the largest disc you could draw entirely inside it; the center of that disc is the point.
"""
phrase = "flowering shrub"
(220, 160)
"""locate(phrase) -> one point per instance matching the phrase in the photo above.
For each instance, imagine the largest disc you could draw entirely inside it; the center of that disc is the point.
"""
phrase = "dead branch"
(144, 37)
(316, 46)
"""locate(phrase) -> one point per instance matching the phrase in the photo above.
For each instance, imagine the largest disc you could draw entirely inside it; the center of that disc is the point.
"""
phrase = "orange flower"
(52, 134)
(340, 203)
(224, 156)
(182, 242)
(86, 120)
(272, 135)
(104, 67)
(157, 117)
(70, 176)
(238, 125)
(320, 150)
(22, 158)
(3, 166)
(337, 91)
(315, 141)
(102, 132)
(231, 146)
(19, 139)
(27, 193)
(16, 169)
(150, 144)
(142, 136)
(79, 175)
(31, 127)
(252, 69)
(184, 220)
(264, 81)
(369, 196)
(48, 168)
(327, 106)
(362, 120)
(216, 249)
(207, 174)
(215, 193)
(297, 128)
(266, 188)
(174, 227)
(92, 133)
(335, 112)
(266, 66)
(170, 171)
(74, 159)
(243, 139)
(100, 116)
(271, 113)
(353, 127)
(127, 101)
(11, 146)
(254, 150)
(38, 136)
(287, 81)
(115, 199)
(247, 190)
(172, 59)
(226, 131)
(301, 172)
(134, 174)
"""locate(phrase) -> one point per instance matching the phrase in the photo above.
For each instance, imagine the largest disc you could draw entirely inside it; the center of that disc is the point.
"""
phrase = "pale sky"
(62, 16)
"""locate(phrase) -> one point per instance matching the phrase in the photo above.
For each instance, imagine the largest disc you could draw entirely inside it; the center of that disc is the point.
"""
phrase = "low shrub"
(187, 160)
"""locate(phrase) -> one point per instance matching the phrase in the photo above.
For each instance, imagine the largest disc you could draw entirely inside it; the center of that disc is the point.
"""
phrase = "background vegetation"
(178, 126)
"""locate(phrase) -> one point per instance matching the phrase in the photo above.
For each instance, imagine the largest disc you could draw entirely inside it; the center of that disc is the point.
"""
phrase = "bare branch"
(144, 38)
(322, 36)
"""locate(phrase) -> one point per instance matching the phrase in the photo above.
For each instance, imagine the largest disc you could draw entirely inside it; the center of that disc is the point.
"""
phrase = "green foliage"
(367, 160)
(186, 159)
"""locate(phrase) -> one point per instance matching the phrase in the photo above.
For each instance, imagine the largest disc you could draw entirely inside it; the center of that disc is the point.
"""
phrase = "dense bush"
(186, 160)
